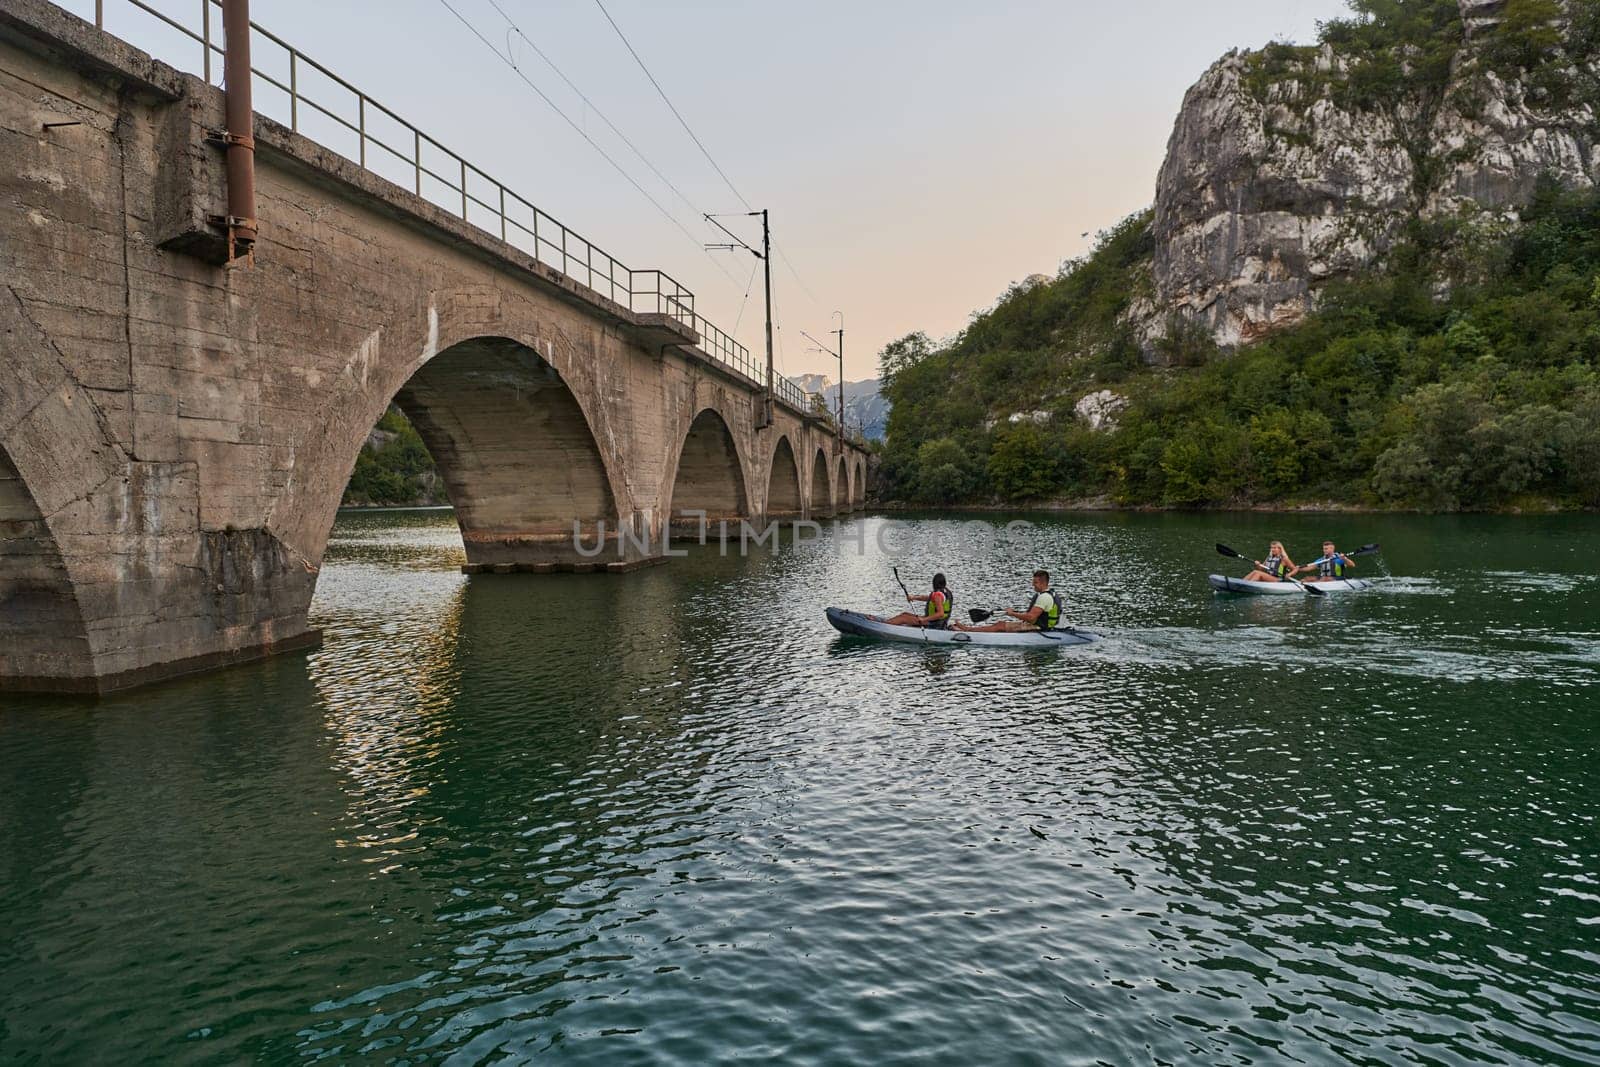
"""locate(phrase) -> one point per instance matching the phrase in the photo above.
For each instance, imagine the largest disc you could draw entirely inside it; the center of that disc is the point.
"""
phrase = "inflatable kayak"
(856, 624)
(1223, 584)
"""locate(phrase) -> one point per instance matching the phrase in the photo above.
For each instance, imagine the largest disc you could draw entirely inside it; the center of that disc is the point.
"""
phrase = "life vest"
(1332, 567)
(938, 620)
(1049, 616)
(1276, 566)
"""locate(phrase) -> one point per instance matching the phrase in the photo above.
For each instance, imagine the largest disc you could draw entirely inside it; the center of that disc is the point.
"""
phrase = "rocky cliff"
(1291, 166)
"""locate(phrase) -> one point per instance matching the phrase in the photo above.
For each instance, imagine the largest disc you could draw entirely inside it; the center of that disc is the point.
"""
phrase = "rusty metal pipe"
(241, 141)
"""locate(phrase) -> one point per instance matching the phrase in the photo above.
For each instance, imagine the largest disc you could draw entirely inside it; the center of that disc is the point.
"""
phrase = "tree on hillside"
(900, 354)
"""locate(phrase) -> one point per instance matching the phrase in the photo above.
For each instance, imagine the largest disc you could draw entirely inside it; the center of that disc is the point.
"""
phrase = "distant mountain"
(864, 407)
(812, 383)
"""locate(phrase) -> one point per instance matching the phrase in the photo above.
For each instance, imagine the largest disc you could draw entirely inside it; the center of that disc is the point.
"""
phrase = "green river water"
(671, 817)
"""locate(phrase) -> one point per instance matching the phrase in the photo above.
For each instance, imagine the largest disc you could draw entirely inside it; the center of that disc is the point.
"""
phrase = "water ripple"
(673, 819)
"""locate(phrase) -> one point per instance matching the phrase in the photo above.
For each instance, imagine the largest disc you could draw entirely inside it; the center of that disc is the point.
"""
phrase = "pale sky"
(917, 157)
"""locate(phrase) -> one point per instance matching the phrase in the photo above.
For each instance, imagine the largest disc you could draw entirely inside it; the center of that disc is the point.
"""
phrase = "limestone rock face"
(1270, 187)
(1099, 409)
(1480, 15)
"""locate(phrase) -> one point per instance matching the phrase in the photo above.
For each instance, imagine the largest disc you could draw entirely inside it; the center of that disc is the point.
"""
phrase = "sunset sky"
(917, 157)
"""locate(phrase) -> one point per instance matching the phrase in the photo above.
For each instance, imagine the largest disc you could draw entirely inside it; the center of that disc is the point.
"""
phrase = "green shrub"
(1023, 465)
(945, 473)
(1275, 453)
(399, 471)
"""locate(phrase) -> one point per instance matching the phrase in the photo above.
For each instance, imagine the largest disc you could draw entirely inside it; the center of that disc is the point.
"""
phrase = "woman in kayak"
(1331, 567)
(937, 612)
(1275, 567)
(1042, 612)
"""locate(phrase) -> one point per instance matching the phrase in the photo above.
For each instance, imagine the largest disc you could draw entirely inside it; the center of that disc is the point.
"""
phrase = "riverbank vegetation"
(1462, 375)
(394, 468)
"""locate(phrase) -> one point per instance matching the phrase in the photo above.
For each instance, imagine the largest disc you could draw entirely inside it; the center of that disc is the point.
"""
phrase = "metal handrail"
(791, 393)
(542, 237)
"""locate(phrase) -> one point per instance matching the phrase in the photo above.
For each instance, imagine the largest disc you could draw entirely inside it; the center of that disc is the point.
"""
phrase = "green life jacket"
(1332, 567)
(938, 619)
(1051, 615)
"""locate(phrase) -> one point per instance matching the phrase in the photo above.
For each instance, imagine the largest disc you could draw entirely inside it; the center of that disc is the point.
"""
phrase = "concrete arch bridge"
(176, 433)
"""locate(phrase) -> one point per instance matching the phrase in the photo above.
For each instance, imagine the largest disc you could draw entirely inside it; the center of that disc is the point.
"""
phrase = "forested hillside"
(394, 468)
(1445, 357)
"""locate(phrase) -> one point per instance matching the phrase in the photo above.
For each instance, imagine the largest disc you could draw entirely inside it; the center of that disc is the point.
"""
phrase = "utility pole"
(840, 332)
(765, 256)
(838, 354)
(766, 267)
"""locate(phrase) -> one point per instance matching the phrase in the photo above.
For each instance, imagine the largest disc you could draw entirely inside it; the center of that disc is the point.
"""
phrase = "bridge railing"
(792, 394)
(311, 99)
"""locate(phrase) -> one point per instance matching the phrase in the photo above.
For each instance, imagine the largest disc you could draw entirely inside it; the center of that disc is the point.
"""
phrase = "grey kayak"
(1223, 584)
(857, 624)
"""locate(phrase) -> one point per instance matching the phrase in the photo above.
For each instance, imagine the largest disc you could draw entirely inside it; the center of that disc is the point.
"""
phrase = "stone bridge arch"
(820, 504)
(85, 527)
(708, 474)
(516, 450)
(511, 411)
(42, 627)
(784, 498)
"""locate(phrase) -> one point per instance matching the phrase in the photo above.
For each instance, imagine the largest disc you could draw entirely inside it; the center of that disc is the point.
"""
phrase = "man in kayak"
(1274, 568)
(1042, 612)
(937, 613)
(1331, 567)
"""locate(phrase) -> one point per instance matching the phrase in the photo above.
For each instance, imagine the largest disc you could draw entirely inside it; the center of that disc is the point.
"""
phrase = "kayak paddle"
(1364, 550)
(1303, 587)
(981, 615)
(903, 588)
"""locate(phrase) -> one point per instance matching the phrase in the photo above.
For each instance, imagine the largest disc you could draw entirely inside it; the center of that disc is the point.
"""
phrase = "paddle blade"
(978, 614)
(1366, 550)
(1226, 551)
(1311, 587)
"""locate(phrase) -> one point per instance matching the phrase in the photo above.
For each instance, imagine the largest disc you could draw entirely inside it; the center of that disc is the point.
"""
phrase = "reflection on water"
(671, 817)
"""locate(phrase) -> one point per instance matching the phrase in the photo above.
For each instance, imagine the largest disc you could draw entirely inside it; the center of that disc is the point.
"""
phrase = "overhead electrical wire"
(581, 132)
(590, 104)
(668, 101)
(699, 143)
(747, 287)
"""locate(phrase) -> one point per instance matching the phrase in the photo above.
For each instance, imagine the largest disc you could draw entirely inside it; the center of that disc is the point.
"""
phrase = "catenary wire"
(784, 256)
(594, 107)
(592, 143)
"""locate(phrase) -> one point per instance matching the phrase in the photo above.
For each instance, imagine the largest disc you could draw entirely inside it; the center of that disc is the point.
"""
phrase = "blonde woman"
(1275, 568)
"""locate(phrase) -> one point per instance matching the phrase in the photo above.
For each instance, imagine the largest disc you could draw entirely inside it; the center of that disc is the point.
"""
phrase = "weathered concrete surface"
(175, 435)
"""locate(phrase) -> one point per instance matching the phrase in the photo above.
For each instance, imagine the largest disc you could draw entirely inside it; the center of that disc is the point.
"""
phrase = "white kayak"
(857, 624)
(1223, 584)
